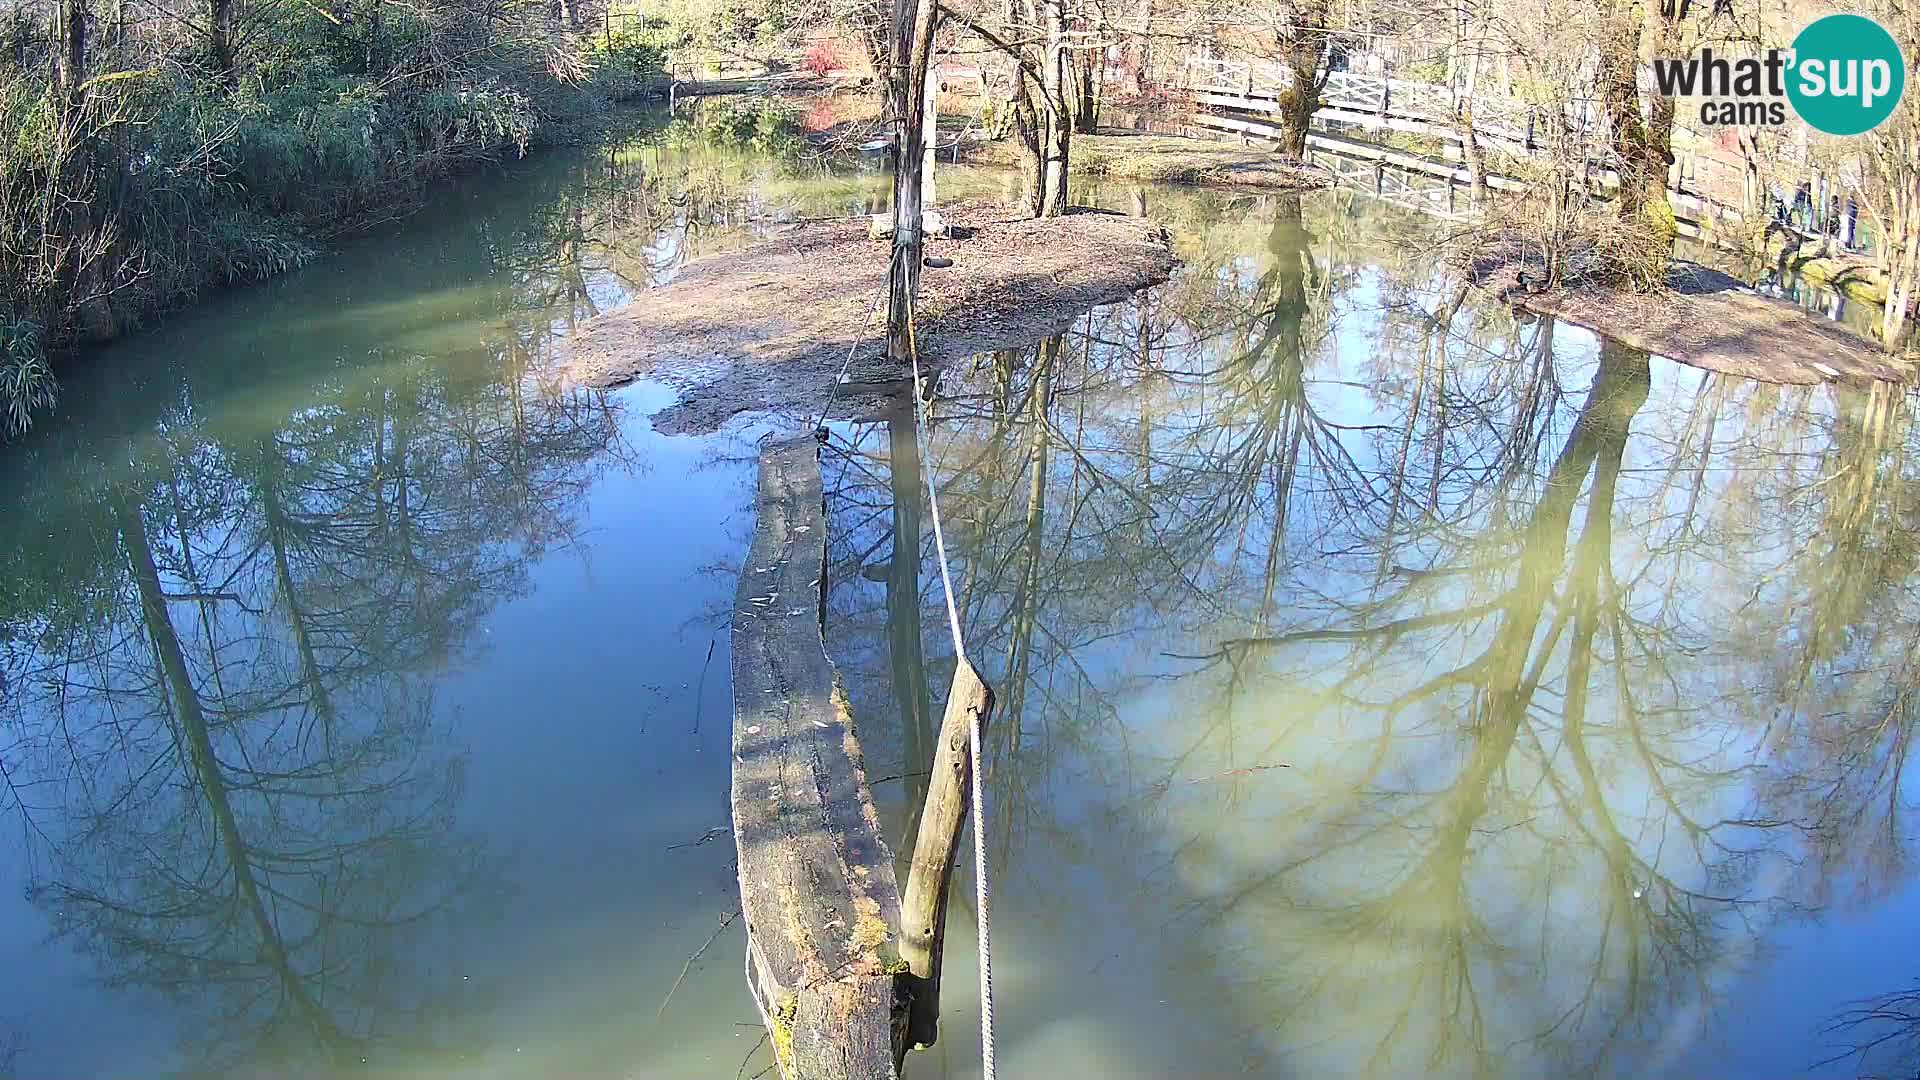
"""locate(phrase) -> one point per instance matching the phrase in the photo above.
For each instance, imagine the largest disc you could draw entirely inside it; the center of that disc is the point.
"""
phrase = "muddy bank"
(770, 326)
(1854, 277)
(1703, 317)
(1173, 159)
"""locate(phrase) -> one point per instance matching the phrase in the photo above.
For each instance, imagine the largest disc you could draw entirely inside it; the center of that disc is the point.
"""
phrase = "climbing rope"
(981, 891)
(820, 425)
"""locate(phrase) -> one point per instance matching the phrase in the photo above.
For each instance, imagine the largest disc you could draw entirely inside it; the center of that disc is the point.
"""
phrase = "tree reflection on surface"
(1586, 670)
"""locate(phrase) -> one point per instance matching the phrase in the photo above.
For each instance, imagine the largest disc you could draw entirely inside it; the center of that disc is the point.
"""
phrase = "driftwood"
(923, 910)
(817, 885)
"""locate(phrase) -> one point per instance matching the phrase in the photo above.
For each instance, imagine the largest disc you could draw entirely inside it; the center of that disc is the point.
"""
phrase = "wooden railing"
(1236, 92)
(1496, 116)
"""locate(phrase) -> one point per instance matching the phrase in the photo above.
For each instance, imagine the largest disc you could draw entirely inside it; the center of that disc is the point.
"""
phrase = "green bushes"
(26, 382)
(629, 54)
(161, 181)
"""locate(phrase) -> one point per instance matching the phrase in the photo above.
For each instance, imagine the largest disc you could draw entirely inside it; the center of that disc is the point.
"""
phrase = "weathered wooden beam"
(817, 886)
(923, 909)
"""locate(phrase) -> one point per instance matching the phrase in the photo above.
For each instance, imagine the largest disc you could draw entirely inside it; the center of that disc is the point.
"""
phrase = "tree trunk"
(1903, 274)
(930, 152)
(70, 51)
(1463, 120)
(1053, 189)
(1028, 123)
(903, 283)
(1620, 100)
(1750, 191)
(1143, 67)
(1305, 51)
(1053, 180)
(1086, 67)
(899, 58)
(923, 904)
(220, 36)
(1644, 148)
(376, 55)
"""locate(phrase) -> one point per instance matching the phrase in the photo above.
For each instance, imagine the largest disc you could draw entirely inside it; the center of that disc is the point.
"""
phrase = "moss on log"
(817, 886)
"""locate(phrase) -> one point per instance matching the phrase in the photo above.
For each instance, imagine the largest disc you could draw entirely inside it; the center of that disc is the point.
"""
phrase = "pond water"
(1388, 687)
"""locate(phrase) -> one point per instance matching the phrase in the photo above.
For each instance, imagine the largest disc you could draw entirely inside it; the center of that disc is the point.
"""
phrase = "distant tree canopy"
(160, 149)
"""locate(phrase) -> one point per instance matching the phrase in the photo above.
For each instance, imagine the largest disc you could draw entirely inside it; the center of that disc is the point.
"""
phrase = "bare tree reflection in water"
(1881, 1036)
(1512, 611)
(240, 790)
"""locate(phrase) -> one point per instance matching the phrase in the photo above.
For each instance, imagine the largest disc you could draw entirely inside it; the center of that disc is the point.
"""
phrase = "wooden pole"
(923, 907)
(931, 125)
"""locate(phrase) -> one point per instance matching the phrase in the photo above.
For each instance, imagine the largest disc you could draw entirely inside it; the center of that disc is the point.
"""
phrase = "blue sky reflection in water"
(353, 666)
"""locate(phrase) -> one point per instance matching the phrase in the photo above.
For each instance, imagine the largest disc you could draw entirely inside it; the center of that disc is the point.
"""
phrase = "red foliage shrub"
(821, 57)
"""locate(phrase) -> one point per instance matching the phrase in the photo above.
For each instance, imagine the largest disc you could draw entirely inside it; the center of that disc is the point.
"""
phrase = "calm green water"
(356, 675)
(365, 701)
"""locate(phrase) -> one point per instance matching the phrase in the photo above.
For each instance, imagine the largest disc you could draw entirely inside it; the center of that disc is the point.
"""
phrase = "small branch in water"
(205, 597)
(700, 692)
(1241, 772)
(717, 830)
(1233, 648)
(901, 776)
(688, 966)
(745, 1061)
(1159, 787)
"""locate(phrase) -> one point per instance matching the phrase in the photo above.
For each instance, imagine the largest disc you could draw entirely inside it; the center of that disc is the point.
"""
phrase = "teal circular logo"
(1846, 74)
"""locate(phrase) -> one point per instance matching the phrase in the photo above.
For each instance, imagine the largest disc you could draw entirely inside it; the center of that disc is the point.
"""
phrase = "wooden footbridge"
(1377, 102)
(1242, 97)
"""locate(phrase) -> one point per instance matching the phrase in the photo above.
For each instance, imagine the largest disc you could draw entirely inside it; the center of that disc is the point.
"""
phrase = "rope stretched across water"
(981, 891)
(820, 425)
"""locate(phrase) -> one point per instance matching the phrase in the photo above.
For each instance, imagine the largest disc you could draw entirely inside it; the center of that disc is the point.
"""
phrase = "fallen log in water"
(817, 885)
(842, 990)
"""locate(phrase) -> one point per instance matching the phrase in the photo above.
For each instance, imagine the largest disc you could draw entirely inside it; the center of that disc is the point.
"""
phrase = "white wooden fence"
(1382, 101)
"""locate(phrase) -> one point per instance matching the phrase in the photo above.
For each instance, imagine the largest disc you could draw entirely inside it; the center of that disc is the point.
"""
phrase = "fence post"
(1386, 88)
